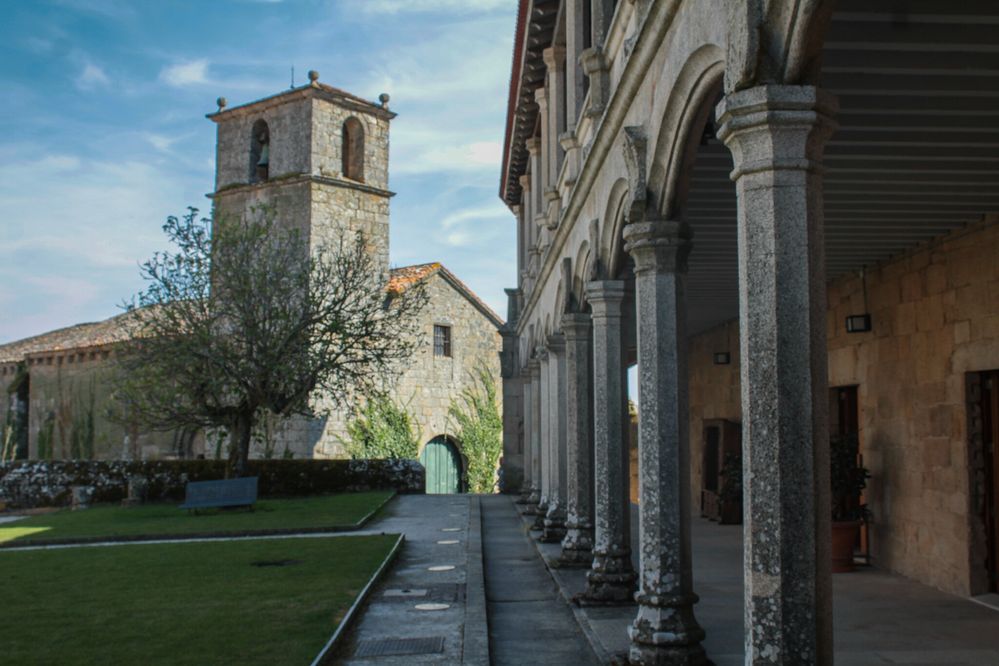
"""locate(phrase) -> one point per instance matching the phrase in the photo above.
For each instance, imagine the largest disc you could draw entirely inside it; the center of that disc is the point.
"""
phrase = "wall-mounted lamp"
(722, 358)
(858, 323)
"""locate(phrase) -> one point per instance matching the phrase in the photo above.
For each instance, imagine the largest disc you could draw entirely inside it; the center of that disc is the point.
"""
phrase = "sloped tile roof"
(91, 334)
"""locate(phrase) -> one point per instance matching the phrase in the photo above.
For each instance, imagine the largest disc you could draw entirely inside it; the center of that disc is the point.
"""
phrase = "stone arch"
(611, 259)
(444, 464)
(690, 105)
(352, 149)
(260, 152)
(582, 269)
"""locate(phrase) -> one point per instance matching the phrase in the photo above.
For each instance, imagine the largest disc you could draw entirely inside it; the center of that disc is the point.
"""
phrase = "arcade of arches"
(767, 206)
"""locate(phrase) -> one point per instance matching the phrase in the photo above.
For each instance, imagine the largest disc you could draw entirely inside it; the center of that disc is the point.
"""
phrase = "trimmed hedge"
(28, 484)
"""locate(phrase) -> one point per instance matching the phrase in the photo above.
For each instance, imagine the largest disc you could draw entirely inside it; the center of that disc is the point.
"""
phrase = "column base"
(554, 529)
(577, 546)
(612, 579)
(539, 516)
(665, 632)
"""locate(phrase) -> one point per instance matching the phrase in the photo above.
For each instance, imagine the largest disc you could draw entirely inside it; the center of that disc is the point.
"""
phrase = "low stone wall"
(28, 484)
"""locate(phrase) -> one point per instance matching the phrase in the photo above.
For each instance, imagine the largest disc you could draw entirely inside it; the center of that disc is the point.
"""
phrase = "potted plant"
(730, 497)
(848, 479)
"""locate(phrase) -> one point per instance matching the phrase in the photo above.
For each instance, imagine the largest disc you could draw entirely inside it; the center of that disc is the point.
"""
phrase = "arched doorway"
(442, 462)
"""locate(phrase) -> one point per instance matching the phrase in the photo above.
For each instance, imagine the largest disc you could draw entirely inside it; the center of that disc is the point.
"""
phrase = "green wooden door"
(440, 459)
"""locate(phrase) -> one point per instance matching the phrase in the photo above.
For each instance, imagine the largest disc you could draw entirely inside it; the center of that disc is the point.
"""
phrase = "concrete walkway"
(879, 618)
(529, 623)
(438, 568)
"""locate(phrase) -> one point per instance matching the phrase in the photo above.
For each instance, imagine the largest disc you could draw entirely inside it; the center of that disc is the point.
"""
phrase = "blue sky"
(105, 134)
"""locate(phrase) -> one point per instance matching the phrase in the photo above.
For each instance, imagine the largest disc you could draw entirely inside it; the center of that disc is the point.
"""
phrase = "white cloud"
(160, 142)
(496, 210)
(92, 77)
(420, 6)
(193, 72)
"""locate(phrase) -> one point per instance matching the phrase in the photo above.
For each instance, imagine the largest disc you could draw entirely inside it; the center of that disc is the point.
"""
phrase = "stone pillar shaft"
(544, 438)
(611, 578)
(528, 413)
(554, 58)
(577, 546)
(665, 631)
(776, 135)
(534, 409)
(555, 518)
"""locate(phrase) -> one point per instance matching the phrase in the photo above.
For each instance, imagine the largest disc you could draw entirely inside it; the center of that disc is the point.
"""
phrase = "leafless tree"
(249, 316)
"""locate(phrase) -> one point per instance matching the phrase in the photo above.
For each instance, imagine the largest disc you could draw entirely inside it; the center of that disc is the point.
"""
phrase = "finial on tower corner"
(221, 102)
(313, 78)
(384, 99)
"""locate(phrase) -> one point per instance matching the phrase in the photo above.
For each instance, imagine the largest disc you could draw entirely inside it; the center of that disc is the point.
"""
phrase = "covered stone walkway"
(879, 618)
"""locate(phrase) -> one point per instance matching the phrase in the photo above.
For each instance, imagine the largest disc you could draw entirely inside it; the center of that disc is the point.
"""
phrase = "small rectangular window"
(442, 340)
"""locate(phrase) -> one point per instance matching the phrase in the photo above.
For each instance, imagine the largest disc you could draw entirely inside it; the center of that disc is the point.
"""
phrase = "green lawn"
(185, 603)
(328, 511)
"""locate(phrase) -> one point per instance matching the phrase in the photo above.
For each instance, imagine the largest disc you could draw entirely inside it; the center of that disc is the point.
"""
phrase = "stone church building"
(785, 214)
(319, 155)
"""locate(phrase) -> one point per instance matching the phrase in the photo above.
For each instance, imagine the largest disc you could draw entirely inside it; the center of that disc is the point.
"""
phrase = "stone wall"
(428, 384)
(935, 315)
(69, 408)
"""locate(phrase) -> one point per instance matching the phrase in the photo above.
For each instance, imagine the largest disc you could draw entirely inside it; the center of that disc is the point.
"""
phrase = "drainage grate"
(446, 592)
(388, 647)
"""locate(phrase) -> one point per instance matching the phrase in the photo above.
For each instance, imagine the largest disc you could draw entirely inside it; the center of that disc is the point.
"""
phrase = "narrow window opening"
(353, 149)
(442, 341)
(260, 152)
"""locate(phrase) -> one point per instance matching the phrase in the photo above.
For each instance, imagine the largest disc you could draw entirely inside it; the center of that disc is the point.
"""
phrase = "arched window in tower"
(260, 152)
(353, 149)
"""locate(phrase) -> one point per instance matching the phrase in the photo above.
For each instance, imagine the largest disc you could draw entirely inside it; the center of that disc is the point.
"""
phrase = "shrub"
(479, 428)
(381, 429)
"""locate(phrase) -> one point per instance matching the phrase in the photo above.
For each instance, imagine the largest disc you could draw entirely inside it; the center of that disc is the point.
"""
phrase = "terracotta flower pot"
(844, 538)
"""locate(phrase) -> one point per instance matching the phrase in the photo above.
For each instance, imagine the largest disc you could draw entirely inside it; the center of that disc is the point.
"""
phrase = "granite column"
(555, 518)
(664, 631)
(544, 438)
(777, 135)
(577, 546)
(611, 578)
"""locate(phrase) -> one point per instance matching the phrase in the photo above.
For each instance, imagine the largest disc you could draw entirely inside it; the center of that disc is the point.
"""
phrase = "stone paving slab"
(879, 617)
(392, 614)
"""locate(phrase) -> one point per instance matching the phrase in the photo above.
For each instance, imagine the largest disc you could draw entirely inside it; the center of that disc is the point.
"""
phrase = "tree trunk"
(240, 434)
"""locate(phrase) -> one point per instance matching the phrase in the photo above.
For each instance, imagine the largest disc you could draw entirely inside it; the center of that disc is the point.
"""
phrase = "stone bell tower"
(319, 155)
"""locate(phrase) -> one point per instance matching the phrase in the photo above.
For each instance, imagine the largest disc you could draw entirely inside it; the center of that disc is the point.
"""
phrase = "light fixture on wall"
(722, 358)
(860, 323)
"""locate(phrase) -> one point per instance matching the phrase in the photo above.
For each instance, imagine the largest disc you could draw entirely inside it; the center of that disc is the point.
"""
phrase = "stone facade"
(743, 163)
(427, 385)
(305, 184)
(64, 375)
(935, 318)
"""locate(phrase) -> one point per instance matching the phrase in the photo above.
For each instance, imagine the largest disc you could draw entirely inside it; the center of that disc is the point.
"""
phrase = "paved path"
(390, 625)
(879, 618)
(529, 623)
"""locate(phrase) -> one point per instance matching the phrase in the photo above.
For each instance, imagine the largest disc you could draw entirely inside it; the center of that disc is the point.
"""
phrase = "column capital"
(606, 296)
(541, 97)
(776, 128)
(525, 181)
(541, 353)
(568, 140)
(553, 56)
(556, 344)
(576, 325)
(593, 60)
(660, 245)
(533, 144)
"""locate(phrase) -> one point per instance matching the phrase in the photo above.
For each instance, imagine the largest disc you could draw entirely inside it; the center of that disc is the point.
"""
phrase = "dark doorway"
(722, 452)
(989, 405)
(844, 417)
